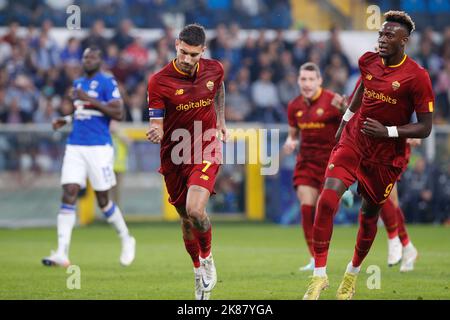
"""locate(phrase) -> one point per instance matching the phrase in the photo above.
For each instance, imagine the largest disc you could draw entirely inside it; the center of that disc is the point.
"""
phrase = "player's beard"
(186, 67)
(91, 70)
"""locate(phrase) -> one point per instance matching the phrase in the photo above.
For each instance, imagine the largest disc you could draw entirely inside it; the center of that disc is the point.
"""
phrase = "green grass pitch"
(254, 261)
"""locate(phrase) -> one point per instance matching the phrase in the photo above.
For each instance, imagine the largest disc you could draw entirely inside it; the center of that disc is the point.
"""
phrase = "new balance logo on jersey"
(179, 92)
(369, 76)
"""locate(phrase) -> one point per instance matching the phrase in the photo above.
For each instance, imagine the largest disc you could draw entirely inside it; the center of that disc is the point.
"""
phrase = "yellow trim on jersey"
(317, 95)
(430, 106)
(396, 65)
(183, 73)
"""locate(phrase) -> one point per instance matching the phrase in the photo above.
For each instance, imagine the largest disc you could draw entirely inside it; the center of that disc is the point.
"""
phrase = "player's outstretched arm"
(220, 111)
(355, 104)
(155, 132)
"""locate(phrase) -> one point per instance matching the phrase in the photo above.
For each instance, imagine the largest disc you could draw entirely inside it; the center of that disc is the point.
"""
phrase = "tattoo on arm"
(220, 101)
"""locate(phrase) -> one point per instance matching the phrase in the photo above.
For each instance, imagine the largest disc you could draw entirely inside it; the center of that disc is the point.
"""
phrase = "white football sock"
(352, 269)
(65, 222)
(320, 272)
(114, 216)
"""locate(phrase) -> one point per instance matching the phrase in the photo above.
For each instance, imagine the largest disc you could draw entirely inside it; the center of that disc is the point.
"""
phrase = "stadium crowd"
(261, 77)
(261, 74)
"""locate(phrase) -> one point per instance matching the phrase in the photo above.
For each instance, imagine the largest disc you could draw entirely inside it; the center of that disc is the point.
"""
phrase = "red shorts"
(179, 180)
(375, 181)
(310, 173)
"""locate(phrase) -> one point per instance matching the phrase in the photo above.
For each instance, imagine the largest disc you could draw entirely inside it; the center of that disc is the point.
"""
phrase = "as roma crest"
(320, 112)
(395, 85)
(210, 85)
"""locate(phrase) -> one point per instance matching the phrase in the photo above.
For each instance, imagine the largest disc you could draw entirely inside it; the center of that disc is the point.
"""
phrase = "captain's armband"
(156, 113)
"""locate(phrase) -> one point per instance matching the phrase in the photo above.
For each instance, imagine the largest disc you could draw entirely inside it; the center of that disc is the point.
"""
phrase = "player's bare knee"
(70, 193)
(195, 212)
(102, 199)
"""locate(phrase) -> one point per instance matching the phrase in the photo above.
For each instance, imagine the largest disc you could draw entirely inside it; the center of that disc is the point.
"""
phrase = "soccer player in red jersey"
(372, 150)
(400, 247)
(183, 99)
(314, 116)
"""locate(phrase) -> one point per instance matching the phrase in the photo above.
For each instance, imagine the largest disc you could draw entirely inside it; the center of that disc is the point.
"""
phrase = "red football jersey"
(317, 122)
(391, 95)
(186, 100)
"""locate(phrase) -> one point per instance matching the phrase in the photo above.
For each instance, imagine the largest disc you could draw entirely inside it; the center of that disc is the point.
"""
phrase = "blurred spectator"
(265, 98)
(442, 195)
(22, 98)
(47, 110)
(137, 105)
(72, 52)
(336, 74)
(18, 62)
(283, 65)
(218, 42)
(251, 12)
(123, 37)
(244, 82)
(302, 48)
(96, 37)
(428, 59)
(112, 56)
(417, 192)
(45, 56)
(442, 94)
(11, 36)
(333, 48)
(13, 114)
(288, 88)
(137, 54)
(238, 106)
(249, 52)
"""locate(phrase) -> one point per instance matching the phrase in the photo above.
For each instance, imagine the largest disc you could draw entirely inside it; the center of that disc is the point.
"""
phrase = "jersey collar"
(396, 65)
(315, 97)
(182, 72)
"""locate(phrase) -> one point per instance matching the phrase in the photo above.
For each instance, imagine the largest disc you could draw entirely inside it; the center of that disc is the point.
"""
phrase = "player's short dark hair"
(402, 18)
(311, 66)
(193, 35)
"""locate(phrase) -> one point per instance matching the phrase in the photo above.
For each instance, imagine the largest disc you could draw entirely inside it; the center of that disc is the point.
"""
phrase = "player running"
(183, 99)
(400, 247)
(314, 117)
(372, 150)
(89, 154)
